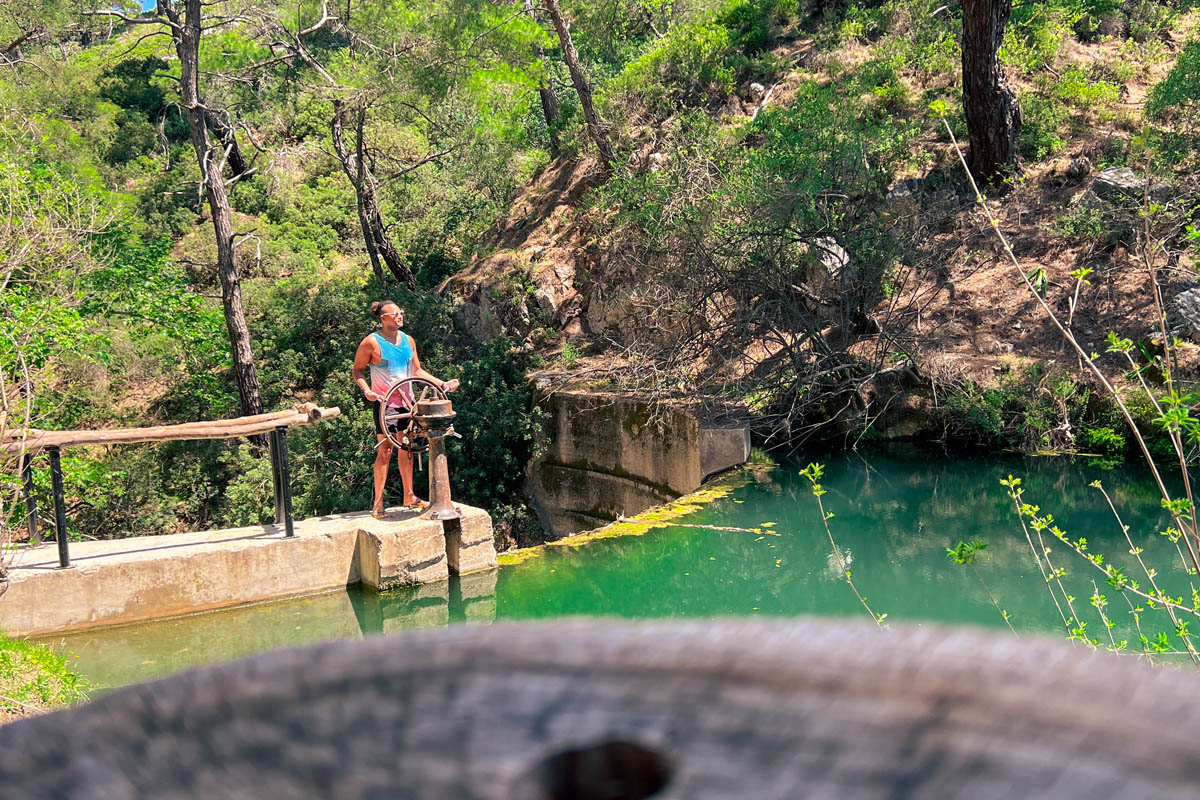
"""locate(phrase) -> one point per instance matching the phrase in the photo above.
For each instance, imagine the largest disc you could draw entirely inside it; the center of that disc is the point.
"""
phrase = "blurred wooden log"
(590, 709)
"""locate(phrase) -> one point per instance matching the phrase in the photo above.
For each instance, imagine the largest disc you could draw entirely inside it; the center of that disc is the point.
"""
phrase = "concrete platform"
(149, 577)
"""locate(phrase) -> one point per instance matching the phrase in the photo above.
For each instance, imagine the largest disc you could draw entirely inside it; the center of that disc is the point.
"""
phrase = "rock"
(1116, 182)
(546, 301)
(657, 161)
(834, 258)
(1114, 24)
(1094, 27)
(1188, 305)
(906, 190)
(606, 312)
(1079, 168)
(757, 90)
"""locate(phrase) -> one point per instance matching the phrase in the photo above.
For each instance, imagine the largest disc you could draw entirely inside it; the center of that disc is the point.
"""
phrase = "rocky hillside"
(579, 268)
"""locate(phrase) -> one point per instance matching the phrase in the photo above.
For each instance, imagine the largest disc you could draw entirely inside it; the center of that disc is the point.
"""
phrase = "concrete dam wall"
(609, 455)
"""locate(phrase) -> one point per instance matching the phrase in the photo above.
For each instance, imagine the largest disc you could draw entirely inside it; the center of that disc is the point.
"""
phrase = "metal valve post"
(437, 418)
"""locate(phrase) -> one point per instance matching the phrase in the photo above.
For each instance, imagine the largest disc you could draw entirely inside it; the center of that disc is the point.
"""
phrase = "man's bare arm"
(362, 360)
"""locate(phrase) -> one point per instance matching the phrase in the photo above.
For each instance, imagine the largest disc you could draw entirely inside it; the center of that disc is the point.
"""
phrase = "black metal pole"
(285, 479)
(60, 507)
(273, 441)
(31, 514)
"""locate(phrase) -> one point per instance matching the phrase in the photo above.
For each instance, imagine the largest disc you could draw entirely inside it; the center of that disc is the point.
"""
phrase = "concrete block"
(469, 543)
(392, 555)
(722, 448)
(149, 577)
(593, 494)
(624, 436)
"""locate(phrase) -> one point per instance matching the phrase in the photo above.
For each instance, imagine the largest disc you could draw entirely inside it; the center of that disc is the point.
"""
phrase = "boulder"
(1079, 168)
(832, 271)
(1187, 303)
(1116, 182)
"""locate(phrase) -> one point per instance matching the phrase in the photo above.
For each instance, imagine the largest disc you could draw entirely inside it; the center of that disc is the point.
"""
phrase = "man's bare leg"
(404, 461)
(383, 455)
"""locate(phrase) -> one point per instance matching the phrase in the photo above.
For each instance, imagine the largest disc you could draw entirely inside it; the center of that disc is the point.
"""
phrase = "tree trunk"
(186, 34)
(597, 130)
(550, 109)
(546, 93)
(993, 115)
(375, 236)
(225, 133)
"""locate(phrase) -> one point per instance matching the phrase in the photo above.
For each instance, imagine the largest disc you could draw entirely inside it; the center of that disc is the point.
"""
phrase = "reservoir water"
(894, 518)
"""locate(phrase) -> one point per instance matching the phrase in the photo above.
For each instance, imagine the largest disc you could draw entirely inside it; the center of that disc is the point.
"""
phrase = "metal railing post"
(31, 511)
(60, 508)
(273, 443)
(285, 480)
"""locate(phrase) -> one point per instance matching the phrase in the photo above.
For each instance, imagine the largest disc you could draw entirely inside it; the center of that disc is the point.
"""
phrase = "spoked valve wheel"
(396, 410)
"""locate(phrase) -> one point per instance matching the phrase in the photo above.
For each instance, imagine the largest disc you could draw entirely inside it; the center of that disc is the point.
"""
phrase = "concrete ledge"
(150, 577)
(722, 448)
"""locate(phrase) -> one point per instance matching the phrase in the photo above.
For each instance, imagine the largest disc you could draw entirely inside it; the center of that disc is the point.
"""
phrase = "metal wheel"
(397, 407)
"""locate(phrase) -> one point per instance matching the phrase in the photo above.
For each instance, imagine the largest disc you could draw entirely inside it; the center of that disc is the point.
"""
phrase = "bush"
(34, 679)
(1042, 121)
(696, 63)
(1177, 98)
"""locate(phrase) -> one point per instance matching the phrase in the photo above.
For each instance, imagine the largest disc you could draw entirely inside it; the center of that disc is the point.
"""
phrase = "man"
(391, 355)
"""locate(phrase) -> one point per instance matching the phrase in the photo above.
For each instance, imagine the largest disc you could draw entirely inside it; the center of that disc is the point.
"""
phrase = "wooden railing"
(274, 425)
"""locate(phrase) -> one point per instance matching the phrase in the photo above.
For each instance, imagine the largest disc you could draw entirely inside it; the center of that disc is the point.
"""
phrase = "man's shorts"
(396, 427)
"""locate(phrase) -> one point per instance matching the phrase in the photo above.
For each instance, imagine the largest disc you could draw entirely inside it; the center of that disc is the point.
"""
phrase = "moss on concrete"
(657, 517)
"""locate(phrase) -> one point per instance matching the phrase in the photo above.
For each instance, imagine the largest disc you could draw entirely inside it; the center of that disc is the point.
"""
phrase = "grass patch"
(33, 680)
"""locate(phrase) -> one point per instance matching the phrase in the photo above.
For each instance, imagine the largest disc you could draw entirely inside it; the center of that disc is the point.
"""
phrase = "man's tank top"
(395, 363)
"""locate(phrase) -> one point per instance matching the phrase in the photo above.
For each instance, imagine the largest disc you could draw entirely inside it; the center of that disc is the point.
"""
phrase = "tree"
(356, 163)
(357, 168)
(186, 26)
(989, 103)
(186, 31)
(546, 94)
(596, 128)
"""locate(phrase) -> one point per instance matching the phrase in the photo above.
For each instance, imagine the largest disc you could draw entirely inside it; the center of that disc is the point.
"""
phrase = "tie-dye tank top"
(395, 363)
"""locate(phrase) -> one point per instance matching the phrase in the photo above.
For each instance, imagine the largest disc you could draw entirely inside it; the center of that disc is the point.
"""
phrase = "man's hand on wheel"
(450, 385)
(371, 396)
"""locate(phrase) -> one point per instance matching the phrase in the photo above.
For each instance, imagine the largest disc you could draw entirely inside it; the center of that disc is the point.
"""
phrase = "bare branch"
(121, 15)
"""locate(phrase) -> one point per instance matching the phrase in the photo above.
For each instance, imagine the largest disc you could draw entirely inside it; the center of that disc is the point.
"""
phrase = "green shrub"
(1076, 87)
(1082, 223)
(1043, 119)
(1103, 439)
(689, 66)
(1035, 35)
(499, 423)
(1177, 97)
(33, 678)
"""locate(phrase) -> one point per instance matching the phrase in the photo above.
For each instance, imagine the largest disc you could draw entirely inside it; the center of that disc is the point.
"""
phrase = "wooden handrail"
(36, 440)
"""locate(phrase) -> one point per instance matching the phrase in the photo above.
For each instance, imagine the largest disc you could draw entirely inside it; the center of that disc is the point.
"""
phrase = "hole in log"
(606, 771)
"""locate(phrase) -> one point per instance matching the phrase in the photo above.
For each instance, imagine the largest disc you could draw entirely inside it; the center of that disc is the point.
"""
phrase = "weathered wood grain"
(734, 709)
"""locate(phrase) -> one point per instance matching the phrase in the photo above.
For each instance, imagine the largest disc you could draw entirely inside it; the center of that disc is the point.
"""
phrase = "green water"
(894, 518)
